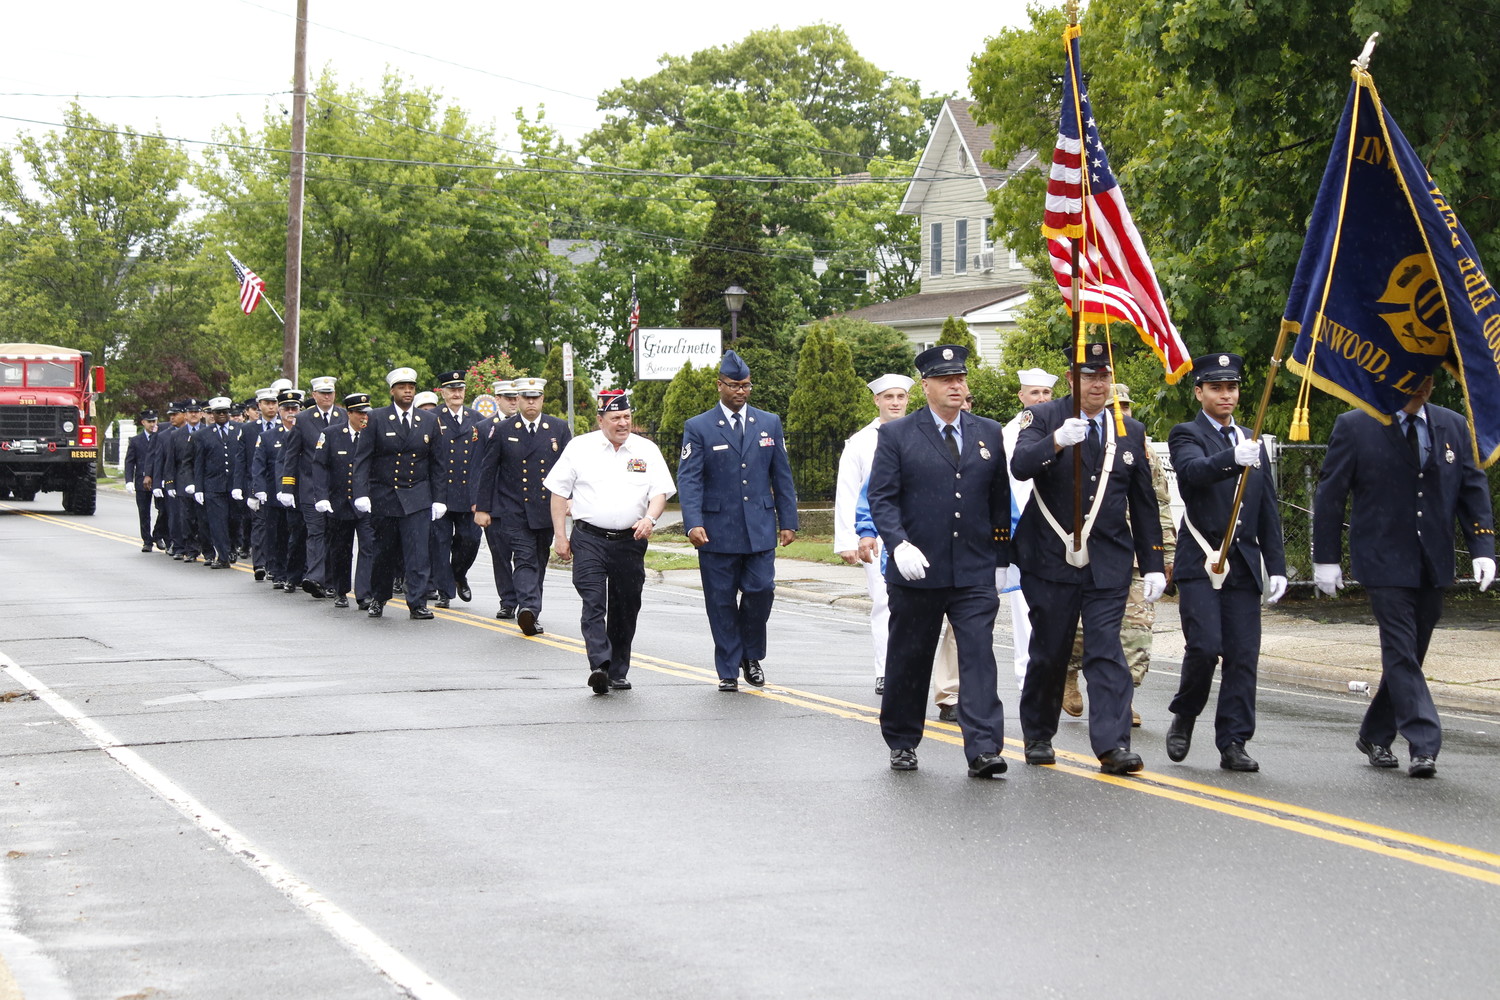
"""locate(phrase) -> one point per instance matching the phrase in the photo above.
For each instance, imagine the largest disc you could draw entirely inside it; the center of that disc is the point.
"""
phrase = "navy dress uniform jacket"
(737, 489)
(956, 513)
(1114, 549)
(513, 466)
(265, 468)
(1402, 515)
(333, 471)
(400, 470)
(217, 463)
(177, 458)
(297, 462)
(1207, 478)
(138, 460)
(461, 450)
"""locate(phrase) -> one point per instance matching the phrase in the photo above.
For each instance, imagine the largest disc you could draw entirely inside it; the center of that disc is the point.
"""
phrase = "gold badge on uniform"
(554, 444)
(1026, 417)
(984, 453)
(1128, 457)
(1448, 453)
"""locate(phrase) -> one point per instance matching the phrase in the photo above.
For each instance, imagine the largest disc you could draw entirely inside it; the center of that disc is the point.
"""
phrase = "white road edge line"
(358, 938)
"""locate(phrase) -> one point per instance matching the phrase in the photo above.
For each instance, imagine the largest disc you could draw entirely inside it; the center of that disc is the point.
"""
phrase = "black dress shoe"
(375, 610)
(1180, 736)
(539, 629)
(947, 713)
(464, 593)
(1120, 761)
(987, 765)
(146, 547)
(364, 603)
(188, 559)
(904, 760)
(342, 602)
(442, 602)
(754, 676)
(506, 614)
(599, 680)
(1040, 752)
(1423, 767)
(619, 685)
(526, 618)
(880, 685)
(431, 595)
(161, 544)
(420, 614)
(729, 684)
(398, 587)
(217, 564)
(177, 557)
(314, 588)
(260, 573)
(1379, 756)
(1234, 758)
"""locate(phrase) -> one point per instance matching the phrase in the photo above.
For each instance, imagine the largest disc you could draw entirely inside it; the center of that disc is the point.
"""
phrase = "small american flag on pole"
(635, 315)
(252, 286)
(1084, 202)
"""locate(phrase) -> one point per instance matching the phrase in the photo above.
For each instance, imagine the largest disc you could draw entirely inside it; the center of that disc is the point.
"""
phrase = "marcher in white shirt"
(854, 472)
(1036, 387)
(618, 484)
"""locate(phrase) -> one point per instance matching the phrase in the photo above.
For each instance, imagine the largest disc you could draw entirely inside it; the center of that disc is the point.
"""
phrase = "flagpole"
(1077, 288)
(291, 335)
(1260, 417)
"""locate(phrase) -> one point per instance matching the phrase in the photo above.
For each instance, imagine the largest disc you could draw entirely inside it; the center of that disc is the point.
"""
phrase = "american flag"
(252, 286)
(635, 315)
(1118, 280)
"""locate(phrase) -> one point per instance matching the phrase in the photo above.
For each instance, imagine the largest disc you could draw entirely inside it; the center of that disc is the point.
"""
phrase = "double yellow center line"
(1454, 859)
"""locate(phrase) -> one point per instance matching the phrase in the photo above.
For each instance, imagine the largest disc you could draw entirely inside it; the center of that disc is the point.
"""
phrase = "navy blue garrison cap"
(733, 367)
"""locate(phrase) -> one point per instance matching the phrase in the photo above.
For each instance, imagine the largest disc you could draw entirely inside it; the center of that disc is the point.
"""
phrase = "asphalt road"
(227, 791)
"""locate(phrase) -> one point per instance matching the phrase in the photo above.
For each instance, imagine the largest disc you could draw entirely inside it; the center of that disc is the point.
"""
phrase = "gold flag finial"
(1072, 9)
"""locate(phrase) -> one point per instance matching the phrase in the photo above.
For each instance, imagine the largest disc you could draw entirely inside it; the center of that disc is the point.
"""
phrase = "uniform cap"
(732, 366)
(613, 401)
(220, 403)
(267, 393)
(1218, 368)
(889, 381)
(289, 398)
(1095, 357)
(281, 383)
(425, 397)
(396, 376)
(357, 401)
(452, 380)
(530, 387)
(192, 404)
(175, 406)
(944, 359)
(1037, 376)
(147, 415)
(503, 387)
(324, 383)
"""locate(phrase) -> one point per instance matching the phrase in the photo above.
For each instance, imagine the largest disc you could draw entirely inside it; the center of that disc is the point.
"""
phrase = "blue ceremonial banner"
(1389, 286)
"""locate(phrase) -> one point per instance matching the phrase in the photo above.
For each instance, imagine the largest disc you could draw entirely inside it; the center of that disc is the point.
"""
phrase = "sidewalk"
(1463, 663)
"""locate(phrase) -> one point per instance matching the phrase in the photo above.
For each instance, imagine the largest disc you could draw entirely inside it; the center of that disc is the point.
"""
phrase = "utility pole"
(290, 344)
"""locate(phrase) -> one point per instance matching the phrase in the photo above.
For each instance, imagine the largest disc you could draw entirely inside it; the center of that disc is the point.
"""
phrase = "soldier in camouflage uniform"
(1135, 630)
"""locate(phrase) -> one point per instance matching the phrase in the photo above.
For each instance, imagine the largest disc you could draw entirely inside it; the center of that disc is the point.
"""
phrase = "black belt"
(608, 534)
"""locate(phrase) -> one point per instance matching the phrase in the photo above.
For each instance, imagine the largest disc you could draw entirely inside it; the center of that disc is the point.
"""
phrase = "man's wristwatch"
(650, 518)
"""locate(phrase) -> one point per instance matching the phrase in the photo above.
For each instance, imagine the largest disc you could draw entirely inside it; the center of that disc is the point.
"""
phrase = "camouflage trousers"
(1135, 634)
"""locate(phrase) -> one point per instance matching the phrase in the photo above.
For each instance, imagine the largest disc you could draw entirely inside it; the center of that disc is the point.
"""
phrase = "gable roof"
(934, 306)
(956, 121)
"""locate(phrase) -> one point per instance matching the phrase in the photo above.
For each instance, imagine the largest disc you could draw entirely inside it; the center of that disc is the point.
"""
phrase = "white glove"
(1000, 579)
(1278, 589)
(438, 510)
(286, 500)
(130, 487)
(253, 504)
(202, 499)
(172, 492)
(190, 489)
(1247, 452)
(362, 504)
(323, 507)
(237, 494)
(1072, 431)
(910, 561)
(1155, 584)
(261, 497)
(1328, 578)
(1484, 571)
(158, 492)
(1013, 577)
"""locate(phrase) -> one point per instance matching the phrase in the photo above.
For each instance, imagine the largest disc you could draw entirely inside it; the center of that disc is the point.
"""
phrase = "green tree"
(555, 399)
(481, 376)
(773, 374)
(691, 392)
(877, 349)
(956, 332)
(646, 399)
(829, 404)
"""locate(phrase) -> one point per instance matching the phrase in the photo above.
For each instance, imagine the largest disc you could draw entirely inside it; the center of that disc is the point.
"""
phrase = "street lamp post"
(734, 298)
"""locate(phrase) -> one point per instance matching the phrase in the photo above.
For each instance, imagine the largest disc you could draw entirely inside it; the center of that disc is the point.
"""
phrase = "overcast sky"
(507, 55)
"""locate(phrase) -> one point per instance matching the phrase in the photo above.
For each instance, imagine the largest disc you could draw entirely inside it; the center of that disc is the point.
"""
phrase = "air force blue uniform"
(956, 511)
(1059, 594)
(737, 486)
(1401, 523)
(1224, 623)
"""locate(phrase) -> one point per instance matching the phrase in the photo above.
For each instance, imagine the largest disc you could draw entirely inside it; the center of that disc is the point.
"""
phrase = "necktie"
(1411, 437)
(530, 429)
(952, 440)
(739, 428)
(1091, 448)
(1228, 433)
(406, 421)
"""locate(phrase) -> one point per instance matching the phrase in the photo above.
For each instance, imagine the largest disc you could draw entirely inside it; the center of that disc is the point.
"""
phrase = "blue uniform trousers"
(286, 551)
(406, 539)
(143, 500)
(1403, 703)
(1220, 625)
(315, 528)
(161, 531)
(502, 557)
(916, 620)
(341, 566)
(608, 575)
(738, 588)
(455, 539)
(529, 548)
(214, 514)
(258, 537)
(1056, 609)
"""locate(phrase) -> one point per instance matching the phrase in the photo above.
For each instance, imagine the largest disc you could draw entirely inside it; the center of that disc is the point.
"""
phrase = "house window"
(1015, 261)
(936, 252)
(984, 235)
(960, 246)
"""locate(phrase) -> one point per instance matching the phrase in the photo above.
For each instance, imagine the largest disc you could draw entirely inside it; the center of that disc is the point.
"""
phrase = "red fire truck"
(48, 439)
